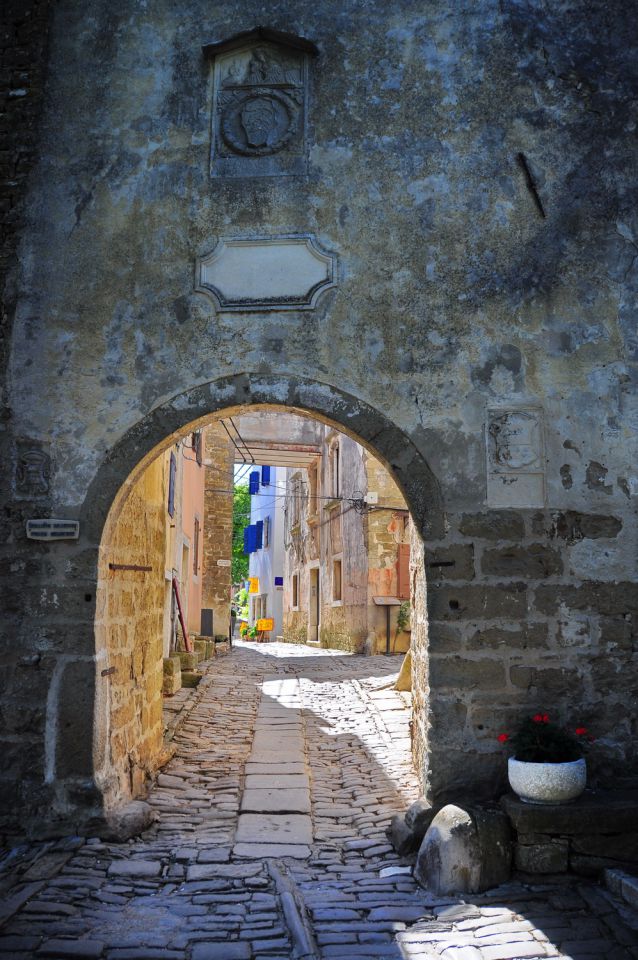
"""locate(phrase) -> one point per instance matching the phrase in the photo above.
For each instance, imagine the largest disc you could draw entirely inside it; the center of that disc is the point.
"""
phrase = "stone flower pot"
(547, 782)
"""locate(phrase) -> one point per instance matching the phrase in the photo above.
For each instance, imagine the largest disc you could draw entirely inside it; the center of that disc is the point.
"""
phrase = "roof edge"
(260, 33)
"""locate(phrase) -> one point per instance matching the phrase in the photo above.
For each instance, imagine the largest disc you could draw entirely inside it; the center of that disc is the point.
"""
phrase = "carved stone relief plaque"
(32, 471)
(515, 464)
(259, 111)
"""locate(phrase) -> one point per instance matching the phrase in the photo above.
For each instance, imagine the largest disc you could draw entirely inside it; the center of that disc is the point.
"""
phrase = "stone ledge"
(623, 885)
(595, 832)
(595, 812)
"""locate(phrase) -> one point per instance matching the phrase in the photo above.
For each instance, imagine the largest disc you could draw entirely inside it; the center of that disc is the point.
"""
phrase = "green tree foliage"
(241, 516)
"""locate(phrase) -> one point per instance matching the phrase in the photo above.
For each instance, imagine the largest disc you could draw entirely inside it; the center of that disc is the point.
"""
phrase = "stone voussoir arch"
(352, 415)
(155, 432)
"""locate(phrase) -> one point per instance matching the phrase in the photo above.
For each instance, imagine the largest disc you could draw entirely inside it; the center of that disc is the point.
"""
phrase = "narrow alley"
(270, 841)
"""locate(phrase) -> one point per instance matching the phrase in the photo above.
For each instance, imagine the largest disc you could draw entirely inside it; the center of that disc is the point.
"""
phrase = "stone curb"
(622, 885)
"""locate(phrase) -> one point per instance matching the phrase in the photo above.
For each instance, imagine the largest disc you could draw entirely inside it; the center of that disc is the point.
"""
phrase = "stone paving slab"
(274, 828)
(250, 850)
(291, 800)
(287, 754)
(276, 741)
(277, 781)
(276, 769)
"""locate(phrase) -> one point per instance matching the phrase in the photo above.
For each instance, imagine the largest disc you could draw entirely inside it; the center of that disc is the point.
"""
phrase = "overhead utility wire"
(241, 439)
(232, 440)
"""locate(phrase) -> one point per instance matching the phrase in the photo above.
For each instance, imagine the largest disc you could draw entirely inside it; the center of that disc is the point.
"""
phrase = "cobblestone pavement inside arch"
(270, 842)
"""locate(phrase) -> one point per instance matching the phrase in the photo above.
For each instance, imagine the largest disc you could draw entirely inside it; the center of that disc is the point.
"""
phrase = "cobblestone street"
(270, 842)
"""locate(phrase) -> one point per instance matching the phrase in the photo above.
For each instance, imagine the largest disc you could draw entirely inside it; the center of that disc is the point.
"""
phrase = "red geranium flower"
(503, 737)
(538, 718)
(580, 731)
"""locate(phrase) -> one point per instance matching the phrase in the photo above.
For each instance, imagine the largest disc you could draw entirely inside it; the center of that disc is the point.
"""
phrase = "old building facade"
(347, 550)
(417, 225)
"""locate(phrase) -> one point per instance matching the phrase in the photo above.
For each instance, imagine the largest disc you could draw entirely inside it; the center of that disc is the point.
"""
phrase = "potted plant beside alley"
(548, 765)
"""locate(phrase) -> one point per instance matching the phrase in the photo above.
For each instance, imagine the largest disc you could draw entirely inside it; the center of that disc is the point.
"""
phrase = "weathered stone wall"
(384, 529)
(512, 631)
(24, 32)
(128, 626)
(343, 626)
(219, 454)
(472, 171)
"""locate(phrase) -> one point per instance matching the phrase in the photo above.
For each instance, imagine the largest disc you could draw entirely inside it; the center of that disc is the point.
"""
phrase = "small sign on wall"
(265, 624)
(49, 529)
(223, 563)
(253, 585)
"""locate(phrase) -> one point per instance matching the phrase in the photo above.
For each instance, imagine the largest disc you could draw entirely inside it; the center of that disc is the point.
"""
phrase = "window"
(171, 485)
(336, 580)
(266, 533)
(313, 483)
(403, 571)
(259, 534)
(196, 443)
(335, 476)
(295, 494)
(196, 547)
(295, 591)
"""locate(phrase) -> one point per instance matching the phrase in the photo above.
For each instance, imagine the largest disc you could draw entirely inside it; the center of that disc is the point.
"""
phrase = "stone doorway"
(111, 722)
(314, 607)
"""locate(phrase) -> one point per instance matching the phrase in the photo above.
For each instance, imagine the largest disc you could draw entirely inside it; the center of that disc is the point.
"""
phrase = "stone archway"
(155, 432)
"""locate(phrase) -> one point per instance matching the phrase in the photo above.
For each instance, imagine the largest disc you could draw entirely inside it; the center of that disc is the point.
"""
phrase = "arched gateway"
(79, 759)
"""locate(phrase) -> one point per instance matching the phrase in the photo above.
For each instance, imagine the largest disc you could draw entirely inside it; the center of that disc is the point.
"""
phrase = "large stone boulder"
(408, 829)
(465, 850)
(125, 822)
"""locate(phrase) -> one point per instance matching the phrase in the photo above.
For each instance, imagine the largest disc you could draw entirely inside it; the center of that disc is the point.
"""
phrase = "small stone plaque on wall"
(266, 273)
(260, 104)
(515, 458)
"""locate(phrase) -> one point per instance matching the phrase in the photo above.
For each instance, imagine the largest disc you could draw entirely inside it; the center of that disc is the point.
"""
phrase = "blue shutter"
(253, 482)
(252, 538)
(171, 486)
(265, 476)
(246, 548)
(259, 534)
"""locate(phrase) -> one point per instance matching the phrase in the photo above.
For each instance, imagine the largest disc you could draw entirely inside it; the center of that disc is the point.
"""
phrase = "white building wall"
(268, 562)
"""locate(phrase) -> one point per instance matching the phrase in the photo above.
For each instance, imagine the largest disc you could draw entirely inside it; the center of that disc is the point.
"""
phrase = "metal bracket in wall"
(129, 566)
(49, 529)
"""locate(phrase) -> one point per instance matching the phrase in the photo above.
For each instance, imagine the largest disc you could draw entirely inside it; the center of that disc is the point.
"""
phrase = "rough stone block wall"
(296, 626)
(129, 618)
(344, 628)
(219, 454)
(512, 631)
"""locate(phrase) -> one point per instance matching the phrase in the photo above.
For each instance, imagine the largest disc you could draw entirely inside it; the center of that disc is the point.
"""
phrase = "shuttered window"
(259, 534)
(196, 547)
(196, 443)
(403, 571)
(171, 485)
